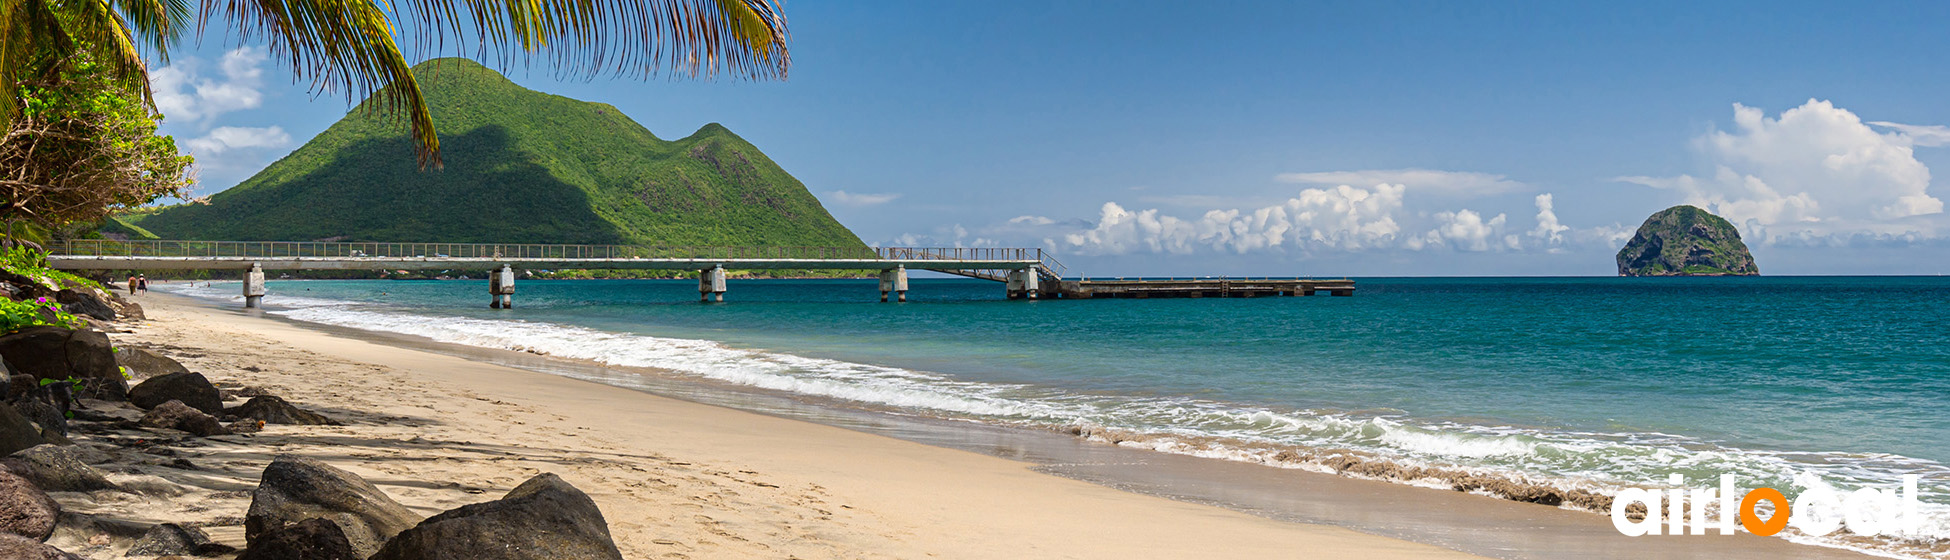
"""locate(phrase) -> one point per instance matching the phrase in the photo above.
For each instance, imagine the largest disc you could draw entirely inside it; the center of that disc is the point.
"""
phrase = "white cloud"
(185, 95)
(1344, 217)
(226, 138)
(1465, 230)
(1548, 230)
(1453, 183)
(862, 199)
(1815, 171)
(1031, 220)
(1930, 136)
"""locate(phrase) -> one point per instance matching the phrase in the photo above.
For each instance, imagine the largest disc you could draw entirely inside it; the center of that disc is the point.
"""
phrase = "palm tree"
(351, 46)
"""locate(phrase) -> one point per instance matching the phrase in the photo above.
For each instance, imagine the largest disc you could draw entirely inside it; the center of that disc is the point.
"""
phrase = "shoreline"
(674, 478)
(1468, 522)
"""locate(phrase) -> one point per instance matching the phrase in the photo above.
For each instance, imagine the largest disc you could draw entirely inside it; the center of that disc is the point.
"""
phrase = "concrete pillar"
(501, 288)
(710, 283)
(254, 286)
(894, 280)
(1024, 283)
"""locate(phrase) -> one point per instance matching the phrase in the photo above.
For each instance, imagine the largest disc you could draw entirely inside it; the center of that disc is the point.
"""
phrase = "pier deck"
(1027, 273)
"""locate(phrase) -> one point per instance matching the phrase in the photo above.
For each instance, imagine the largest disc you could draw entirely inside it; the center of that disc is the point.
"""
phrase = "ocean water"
(1591, 383)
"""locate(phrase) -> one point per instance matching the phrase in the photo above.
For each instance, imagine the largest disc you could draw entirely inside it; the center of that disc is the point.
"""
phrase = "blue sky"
(1438, 138)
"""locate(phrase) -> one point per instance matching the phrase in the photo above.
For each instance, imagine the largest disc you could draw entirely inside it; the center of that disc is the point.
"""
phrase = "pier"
(1025, 273)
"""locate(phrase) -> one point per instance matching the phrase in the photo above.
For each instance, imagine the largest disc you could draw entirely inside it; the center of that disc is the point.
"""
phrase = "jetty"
(1025, 273)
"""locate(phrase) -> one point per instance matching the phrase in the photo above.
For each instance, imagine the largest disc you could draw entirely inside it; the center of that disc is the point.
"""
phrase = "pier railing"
(340, 249)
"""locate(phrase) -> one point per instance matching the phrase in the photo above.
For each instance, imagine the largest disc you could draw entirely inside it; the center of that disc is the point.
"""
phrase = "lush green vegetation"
(1686, 241)
(520, 166)
(33, 264)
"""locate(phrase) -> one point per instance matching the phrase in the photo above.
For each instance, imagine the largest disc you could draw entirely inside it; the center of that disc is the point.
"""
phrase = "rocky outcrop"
(16, 432)
(58, 353)
(543, 519)
(170, 539)
(175, 415)
(24, 509)
(295, 489)
(15, 547)
(143, 363)
(1686, 241)
(311, 539)
(274, 410)
(56, 468)
(190, 388)
(84, 303)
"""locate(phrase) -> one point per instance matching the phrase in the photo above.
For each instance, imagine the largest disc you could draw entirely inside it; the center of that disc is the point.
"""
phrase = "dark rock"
(25, 288)
(189, 387)
(143, 363)
(1686, 241)
(84, 303)
(544, 518)
(274, 410)
(15, 547)
(16, 432)
(294, 489)
(175, 415)
(311, 539)
(56, 468)
(40, 412)
(58, 353)
(21, 384)
(170, 539)
(24, 509)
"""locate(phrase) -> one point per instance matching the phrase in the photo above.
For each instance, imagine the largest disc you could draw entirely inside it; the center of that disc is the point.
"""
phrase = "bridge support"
(1024, 283)
(894, 280)
(710, 284)
(501, 288)
(254, 286)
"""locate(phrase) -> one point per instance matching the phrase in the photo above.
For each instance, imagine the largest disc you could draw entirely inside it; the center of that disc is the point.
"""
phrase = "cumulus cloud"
(1343, 217)
(1815, 170)
(1465, 230)
(1453, 183)
(862, 199)
(1548, 230)
(226, 138)
(944, 236)
(186, 93)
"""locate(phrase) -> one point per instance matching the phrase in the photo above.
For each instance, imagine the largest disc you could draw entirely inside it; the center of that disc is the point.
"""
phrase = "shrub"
(16, 315)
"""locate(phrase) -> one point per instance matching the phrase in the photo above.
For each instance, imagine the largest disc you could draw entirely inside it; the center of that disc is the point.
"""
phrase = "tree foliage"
(349, 46)
(82, 146)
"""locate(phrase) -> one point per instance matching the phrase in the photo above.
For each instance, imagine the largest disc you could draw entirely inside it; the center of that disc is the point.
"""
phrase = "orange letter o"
(1752, 521)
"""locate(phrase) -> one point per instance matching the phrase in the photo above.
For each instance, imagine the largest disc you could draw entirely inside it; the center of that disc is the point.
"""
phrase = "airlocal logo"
(1817, 512)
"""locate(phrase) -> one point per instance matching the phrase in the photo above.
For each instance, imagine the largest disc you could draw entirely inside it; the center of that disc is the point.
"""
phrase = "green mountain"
(521, 166)
(1686, 241)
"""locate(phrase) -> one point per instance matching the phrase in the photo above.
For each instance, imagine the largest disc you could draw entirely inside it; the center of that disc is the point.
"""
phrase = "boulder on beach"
(37, 409)
(311, 539)
(144, 363)
(58, 353)
(189, 387)
(175, 415)
(16, 547)
(84, 303)
(274, 410)
(56, 468)
(294, 489)
(545, 518)
(24, 509)
(16, 431)
(170, 539)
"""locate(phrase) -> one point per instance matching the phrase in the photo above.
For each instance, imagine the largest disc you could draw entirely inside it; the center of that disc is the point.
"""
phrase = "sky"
(1287, 138)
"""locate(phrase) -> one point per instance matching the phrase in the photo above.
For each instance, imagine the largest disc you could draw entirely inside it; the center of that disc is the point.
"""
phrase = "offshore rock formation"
(1686, 241)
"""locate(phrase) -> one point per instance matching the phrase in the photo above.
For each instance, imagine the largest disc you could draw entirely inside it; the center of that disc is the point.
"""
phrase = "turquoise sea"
(1594, 383)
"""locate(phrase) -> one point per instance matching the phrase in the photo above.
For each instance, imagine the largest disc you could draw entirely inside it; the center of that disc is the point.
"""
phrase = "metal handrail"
(342, 249)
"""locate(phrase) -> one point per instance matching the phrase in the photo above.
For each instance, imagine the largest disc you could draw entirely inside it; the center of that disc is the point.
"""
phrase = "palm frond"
(744, 38)
(342, 45)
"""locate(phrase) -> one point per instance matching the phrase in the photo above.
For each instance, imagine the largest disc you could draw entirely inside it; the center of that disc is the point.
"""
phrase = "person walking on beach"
(131, 284)
(142, 283)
